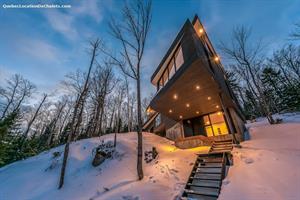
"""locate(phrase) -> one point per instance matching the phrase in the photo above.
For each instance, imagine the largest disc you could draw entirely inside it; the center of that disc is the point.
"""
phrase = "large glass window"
(215, 124)
(179, 58)
(165, 77)
(175, 63)
(171, 69)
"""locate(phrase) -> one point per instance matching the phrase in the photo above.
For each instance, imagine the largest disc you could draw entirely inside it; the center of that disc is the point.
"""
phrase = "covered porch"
(193, 99)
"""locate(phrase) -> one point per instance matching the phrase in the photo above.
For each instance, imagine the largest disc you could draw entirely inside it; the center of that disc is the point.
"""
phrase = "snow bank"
(267, 167)
(164, 178)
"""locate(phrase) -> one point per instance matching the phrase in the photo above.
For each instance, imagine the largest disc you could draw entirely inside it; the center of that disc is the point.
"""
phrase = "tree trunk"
(34, 116)
(139, 132)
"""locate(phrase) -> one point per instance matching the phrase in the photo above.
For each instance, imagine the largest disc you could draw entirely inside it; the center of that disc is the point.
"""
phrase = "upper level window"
(179, 58)
(175, 63)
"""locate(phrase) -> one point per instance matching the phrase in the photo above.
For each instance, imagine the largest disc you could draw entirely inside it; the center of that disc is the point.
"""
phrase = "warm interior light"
(207, 122)
(180, 116)
(170, 111)
(175, 96)
(217, 106)
(201, 30)
(208, 98)
(197, 112)
(217, 58)
(197, 87)
(219, 113)
(187, 105)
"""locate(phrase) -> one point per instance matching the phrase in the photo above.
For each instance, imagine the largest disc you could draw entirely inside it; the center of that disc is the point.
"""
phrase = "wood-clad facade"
(193, 96)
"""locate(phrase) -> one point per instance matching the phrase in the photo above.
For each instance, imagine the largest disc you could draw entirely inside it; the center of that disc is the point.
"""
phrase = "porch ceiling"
(186, 86)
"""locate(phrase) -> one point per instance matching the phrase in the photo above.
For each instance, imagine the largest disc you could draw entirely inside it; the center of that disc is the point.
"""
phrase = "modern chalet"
(193, 103)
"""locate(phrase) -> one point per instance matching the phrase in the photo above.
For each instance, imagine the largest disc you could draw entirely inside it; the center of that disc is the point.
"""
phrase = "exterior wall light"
(175, 96)
(197, 87)
(180, 116)
(197, 112)
(217, 106)
(208, 98)
(170, 111)
(187, 105)
(216, 58)
(201, 30)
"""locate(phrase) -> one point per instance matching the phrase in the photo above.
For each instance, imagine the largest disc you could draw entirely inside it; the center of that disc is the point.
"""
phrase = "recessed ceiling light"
(217, 58)
(175, 96)
(197, 87)
(170, 111)
(201, 30)
(187, 105)
(208, 98)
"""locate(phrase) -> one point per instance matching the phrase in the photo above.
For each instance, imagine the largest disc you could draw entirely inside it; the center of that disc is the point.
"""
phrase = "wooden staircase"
(208, 172)
(221, 146)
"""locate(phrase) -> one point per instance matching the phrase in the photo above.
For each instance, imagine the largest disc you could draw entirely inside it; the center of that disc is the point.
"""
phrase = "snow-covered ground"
(267, 165)
(164, 178)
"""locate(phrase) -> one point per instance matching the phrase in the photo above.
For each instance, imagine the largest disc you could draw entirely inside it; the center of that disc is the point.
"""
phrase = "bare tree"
(249, 60)
(131, 32)
(17, 90)
(295, 35)
(34, 116)
(78, 109)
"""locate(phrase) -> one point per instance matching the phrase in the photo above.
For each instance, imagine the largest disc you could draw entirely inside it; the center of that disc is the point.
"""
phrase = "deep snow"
(266, 167)
(164, 178)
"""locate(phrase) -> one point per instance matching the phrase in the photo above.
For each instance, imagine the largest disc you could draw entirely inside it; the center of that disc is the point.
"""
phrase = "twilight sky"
(45, 44)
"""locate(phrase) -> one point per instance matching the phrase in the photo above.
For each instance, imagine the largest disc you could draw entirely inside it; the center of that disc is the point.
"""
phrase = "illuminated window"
(215, 124)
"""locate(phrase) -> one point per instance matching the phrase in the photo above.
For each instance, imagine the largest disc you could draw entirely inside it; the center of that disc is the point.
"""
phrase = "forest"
(106, 97)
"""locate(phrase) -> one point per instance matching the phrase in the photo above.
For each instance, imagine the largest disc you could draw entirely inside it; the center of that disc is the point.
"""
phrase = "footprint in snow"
(248, 160)
(226, 182)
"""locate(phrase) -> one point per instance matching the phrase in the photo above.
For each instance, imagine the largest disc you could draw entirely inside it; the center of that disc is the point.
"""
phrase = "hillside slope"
(114, 179)
(267, 167)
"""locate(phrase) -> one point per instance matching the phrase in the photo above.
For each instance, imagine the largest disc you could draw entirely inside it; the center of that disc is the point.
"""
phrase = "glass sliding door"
(215, 124)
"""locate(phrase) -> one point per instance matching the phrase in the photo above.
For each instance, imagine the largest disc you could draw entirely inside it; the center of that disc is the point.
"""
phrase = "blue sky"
(45, 44)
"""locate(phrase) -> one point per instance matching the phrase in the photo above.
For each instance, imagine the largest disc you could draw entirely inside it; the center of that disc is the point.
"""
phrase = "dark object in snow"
(56, 154)
(151, 155)
(278, 121)
(99, 158)
(103, 151)
(106, 189)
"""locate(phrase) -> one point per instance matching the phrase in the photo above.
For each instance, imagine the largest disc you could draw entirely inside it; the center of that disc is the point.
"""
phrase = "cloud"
(39, 49)
(89, 8)
(66, 21)
(62, 23)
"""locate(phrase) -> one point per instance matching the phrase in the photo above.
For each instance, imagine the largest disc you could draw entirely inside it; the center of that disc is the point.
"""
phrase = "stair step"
(208, 176)
(209, 170)
(205, 190)
(210, 160)
(192, 196)
(221, 149)
(208, 165)
(206, 183)
(217, 152)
